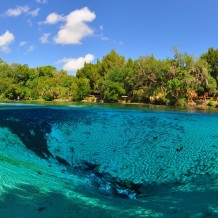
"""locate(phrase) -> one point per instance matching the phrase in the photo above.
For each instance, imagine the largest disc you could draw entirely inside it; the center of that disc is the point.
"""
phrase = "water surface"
(92, 161)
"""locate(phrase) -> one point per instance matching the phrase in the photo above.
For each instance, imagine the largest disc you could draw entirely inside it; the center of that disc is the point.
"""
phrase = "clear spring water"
(81, 161)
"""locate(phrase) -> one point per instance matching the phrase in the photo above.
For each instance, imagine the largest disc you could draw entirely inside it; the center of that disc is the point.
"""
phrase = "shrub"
(48, 97)
(211, 103)
(181, 102)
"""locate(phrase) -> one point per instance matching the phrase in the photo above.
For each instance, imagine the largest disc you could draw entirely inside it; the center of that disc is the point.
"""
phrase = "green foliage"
(211, 85)
(182, 102)
(112, 91)
(146, 79)
(140, 96)
(48, 97)
(128, 76)
(48, 71)
(211, 56)
(176, 87)
(83, 88)
(91, 72)
(111, 61)
(211, 102)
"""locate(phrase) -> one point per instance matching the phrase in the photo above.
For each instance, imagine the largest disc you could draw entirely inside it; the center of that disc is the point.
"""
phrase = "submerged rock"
(105, 183)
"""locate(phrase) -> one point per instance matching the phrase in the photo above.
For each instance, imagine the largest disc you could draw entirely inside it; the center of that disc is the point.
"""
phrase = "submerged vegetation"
(171, 81)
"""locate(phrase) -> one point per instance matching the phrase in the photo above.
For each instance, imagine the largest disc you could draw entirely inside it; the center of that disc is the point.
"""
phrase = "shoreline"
(191, 106)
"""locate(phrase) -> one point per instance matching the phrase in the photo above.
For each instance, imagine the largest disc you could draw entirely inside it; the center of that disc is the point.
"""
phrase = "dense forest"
(171, 81)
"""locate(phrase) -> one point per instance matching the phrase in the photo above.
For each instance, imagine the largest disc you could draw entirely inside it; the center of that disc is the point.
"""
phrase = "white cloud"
(22, 43)
(30, 48)
(42, 1)
(101, 35)
(15, 12)
(103, 38)
(34, 13)
(75, 27)
(5, 40)
(74, 64)
(53, 18)
(44, 38)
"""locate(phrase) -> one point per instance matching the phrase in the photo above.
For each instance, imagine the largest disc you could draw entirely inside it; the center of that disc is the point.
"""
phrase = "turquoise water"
(92, 161)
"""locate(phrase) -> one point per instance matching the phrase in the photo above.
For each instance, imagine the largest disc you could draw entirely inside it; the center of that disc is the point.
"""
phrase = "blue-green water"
(83, 161)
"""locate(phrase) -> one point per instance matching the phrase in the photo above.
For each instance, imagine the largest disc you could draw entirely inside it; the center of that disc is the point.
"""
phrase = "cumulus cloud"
(74, 64)
(44, 38)
(41, 1)
(53, 18)
(5, 40)
(15, 12)
(75, 27)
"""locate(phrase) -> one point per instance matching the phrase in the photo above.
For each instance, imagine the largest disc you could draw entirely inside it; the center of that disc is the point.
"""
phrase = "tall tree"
(211, 56)
(112, 60)
(91, 72)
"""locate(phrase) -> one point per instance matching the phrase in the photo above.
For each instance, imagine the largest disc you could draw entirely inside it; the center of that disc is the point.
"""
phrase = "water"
(83, 161)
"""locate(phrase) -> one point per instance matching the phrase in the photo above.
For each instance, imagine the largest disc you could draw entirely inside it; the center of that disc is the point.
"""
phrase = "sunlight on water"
(85, 161)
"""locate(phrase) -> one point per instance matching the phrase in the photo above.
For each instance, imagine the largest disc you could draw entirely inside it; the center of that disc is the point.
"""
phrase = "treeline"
(172, 81)
(46, 82)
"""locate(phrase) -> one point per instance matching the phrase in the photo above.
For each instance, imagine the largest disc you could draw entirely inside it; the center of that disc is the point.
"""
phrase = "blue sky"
(66, 33)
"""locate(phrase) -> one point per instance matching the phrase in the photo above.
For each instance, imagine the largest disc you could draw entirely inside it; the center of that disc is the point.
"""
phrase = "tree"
(151, 75)
(211, 56)
(203, 81)
(128, 76)
(46, 71)
(193, 74)
(14, 91)
(91, 72)
(112, 91)
(80, 88)
(113, 85)
(20, 73)
(112, 60)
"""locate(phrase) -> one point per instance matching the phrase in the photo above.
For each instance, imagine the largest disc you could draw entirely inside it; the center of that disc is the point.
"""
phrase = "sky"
(67, 33)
